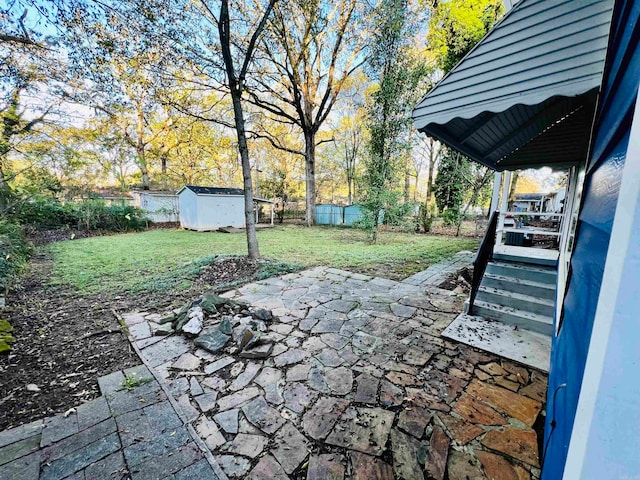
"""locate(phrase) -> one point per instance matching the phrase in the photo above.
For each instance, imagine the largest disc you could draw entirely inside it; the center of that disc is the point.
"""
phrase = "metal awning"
(525, 96)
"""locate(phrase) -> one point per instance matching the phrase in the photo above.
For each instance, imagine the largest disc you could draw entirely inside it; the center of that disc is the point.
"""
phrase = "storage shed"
(209, 208)
(327, 214)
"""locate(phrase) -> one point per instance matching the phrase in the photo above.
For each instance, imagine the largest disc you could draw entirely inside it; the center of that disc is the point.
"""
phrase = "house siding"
(602, 185)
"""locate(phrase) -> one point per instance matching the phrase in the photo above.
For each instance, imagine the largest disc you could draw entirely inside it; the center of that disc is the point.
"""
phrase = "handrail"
(484, 255)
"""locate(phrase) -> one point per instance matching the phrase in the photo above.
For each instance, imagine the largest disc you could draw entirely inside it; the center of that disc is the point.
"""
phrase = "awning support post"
(495, 197)
(503, 206)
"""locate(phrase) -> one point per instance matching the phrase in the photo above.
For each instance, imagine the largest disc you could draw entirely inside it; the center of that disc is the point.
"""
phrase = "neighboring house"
(554, 201)
(209, 208)
(528, 202)
(555, 84)
(538, 202)
(159, 206)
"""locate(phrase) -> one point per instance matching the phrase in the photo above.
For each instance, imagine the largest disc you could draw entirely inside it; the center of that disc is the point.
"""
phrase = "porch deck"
(537, 256)
(523, 346)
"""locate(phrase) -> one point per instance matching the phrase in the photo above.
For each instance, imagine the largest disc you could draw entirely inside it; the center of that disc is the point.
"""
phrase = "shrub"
(451, 217)
(95, 215)
(426, 217)
(14, 252)
(46, 213)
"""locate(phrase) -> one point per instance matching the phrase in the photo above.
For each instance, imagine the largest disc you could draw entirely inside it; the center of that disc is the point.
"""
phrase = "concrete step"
(546, 291)
(524, 272)
(512, 316)
(519, 301)
(518, 344)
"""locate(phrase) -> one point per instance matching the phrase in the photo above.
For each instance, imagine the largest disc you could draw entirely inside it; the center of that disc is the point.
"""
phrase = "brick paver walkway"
(130, 432)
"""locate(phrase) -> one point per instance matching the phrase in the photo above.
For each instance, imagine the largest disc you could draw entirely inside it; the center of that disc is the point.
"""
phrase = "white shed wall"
(215, 211)
(160, 208)
(188, 208)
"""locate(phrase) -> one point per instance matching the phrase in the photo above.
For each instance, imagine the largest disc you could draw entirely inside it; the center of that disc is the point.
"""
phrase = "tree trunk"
(432, 165)
(238, 113)
(5, 191)
(140, 150)
(310, 176)
(349, 176)
(142, 163)
(164, 161)
(407, 185)
(514, 185)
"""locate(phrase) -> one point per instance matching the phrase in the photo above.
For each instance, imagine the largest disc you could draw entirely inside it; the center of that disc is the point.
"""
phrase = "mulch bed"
(64, 341)
(226, 271)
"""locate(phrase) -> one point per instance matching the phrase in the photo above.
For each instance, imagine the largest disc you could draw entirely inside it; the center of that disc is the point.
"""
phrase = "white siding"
(215, 211)
(205, 212)
(187, 201)
(160, 207)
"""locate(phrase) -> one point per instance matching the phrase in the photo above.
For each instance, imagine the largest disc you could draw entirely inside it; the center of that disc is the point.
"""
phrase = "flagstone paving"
(356, 383)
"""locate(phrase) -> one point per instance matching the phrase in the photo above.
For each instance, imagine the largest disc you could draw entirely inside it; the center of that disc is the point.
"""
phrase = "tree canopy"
(304, 101)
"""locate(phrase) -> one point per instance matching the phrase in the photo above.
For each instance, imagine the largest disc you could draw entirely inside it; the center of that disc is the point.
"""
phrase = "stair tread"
(514, 311)
(517, 296)
(524, 266)
(521, 281)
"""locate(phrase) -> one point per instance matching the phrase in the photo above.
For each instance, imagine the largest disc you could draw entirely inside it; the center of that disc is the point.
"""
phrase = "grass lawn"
(140, 261)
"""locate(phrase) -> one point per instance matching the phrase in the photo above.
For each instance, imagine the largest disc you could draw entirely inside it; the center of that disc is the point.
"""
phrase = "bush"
(46, 213)
(426, 218)
(451, 217)
(95, 215)
(14, 252)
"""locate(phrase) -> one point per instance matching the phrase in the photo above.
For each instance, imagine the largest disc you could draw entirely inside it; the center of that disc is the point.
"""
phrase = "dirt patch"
(460, 279)
(469, 228)
(64, 341)
(53, 349)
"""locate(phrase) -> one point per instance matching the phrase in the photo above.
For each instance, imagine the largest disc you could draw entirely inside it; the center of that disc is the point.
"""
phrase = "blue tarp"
(602, 184)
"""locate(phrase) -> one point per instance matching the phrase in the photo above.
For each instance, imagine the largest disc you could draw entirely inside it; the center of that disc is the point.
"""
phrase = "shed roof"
(212, 190)
(529, 196)
(525, 95)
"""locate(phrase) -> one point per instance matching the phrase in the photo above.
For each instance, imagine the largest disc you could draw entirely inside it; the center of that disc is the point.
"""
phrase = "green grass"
(137, 261)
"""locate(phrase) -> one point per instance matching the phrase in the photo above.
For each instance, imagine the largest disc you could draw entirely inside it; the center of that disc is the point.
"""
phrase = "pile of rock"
(213, 321)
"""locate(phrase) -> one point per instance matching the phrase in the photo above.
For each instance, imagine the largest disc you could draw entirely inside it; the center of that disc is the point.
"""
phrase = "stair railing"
(484, 256)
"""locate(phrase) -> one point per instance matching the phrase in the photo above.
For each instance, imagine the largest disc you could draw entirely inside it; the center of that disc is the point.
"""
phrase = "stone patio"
(358, 385)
